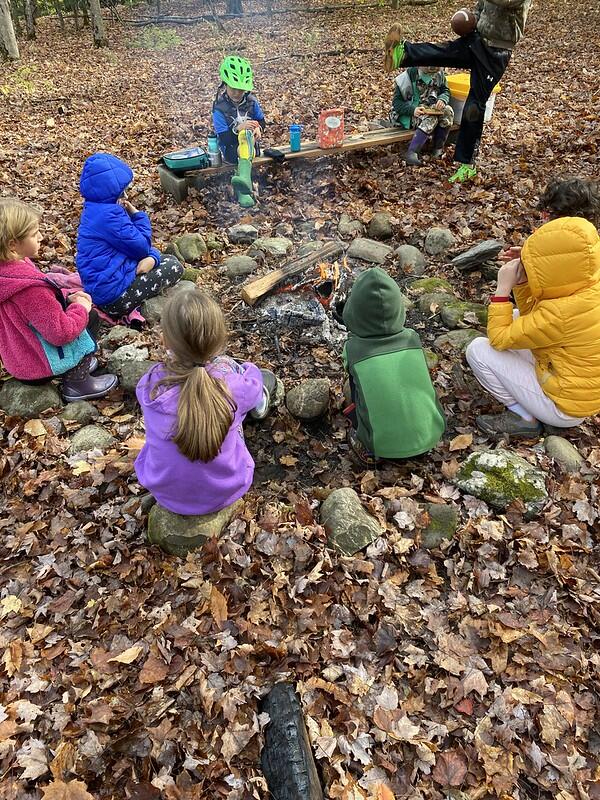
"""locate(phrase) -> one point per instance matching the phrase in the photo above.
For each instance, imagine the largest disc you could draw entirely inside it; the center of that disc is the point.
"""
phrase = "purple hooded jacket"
(194, 487)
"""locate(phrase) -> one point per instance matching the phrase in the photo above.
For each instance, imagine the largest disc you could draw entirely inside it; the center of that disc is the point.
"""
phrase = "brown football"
(463, 22)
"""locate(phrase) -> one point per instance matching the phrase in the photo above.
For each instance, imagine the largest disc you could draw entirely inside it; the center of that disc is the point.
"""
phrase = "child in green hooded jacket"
(397, 413)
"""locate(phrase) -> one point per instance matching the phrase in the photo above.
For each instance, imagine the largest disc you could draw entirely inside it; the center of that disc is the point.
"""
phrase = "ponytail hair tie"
(200, 364)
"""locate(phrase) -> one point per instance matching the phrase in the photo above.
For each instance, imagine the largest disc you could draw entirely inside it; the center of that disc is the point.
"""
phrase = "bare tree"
(234, 7)
(30, 12)
(8, 41)
(99, 32)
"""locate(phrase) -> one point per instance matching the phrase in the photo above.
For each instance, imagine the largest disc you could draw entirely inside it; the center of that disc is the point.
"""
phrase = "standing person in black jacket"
(486, 52)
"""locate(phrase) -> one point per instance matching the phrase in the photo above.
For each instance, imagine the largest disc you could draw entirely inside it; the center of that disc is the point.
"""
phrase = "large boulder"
(310, 399)
(91, 437)
(275, 246)
(380, 226)
(242, 234)
(454, 314)
(82, 412)
(438, 240)
(369, 250)
(410, 259)
(499, 477)
(118, 335)
(349, 527)
(179, 535)
(240, 265)
(20, 400)
(127, 352)
(566, 455)
(348, 227)
(191, 246)
(131, 372)
(459, 339)
(443, 522)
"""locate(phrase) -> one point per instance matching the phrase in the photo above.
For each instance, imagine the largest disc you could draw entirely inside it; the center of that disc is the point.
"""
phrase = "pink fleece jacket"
(28, 300)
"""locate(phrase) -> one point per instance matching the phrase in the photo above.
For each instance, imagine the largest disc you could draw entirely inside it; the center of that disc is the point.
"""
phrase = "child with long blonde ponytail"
(195, 460)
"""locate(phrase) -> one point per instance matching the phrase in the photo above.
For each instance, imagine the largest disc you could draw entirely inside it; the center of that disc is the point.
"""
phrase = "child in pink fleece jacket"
(42, 334)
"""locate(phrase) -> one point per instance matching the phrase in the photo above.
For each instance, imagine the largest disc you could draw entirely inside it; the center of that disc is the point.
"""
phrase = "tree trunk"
(61, 19)
(76, 16)
(84, 11)
(234, 7)
(100, 39)
(30, 11)
(8, 41)
(396, 4)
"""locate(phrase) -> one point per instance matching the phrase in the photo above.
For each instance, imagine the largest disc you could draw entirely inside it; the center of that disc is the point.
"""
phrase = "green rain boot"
(242, 183)
(466, 172)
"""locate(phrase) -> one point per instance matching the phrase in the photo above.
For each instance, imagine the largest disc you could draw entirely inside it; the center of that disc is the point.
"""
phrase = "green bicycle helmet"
(236, 73)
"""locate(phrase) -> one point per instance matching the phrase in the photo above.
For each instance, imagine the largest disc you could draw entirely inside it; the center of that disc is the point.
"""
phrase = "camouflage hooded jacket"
(501, 23)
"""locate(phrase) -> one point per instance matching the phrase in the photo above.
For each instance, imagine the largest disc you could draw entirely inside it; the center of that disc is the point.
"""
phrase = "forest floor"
(470, 671)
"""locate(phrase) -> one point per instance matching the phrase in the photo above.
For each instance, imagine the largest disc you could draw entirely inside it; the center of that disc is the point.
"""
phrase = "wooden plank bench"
(178, 186)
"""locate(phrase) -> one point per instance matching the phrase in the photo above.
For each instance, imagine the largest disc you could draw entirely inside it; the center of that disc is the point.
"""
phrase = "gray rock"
(127, 352)
(179, 535)
(117, 336)
(380, 226)
(500, 477)
(459, 339)
(566, 455)
(240, 265)
(453, 314)
(131, 373)
(191, 275)
(443, 522)
(191, 246)
(369, 250)
(306, 227)
(181, 286)
(410, 259)
(430, 285)
(429, 299)
(284, 229)
(275, 246)
(153, 307)
(171, 249)
(310, 399)
(92, 437)
(20, 400)
(82, 411)
(55, 425)
(408, 303)
(349, 527)
(477, 255)
(438, 240)
(242, 234)
(310, 247)
(348, 227)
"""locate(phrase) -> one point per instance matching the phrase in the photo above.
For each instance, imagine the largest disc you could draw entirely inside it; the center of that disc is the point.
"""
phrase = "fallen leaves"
(128, 656)
(450, 768)
(73, 790)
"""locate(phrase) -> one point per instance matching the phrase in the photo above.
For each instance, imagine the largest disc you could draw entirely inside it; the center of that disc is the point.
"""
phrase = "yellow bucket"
(460, 83)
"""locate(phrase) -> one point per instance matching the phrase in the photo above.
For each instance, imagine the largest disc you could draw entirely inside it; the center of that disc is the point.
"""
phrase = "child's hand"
(509, 254)
(509, 275)
(145, 265)
(440, 105)
(81, 299)
(129, 207)
(420, 111)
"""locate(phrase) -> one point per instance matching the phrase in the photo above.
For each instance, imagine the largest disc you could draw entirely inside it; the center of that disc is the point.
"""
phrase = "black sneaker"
(510, 424)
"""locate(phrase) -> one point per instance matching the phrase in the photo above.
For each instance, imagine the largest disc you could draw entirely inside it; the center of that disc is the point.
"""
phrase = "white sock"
(517, 408)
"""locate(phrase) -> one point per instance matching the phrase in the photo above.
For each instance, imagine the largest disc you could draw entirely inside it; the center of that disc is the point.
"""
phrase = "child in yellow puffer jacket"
(543, 361)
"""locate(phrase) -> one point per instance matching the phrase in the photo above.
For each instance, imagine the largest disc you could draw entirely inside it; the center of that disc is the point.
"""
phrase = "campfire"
(327, 282)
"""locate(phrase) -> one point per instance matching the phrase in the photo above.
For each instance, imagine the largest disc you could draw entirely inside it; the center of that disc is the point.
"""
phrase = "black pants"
(166, 274)
(487, 65)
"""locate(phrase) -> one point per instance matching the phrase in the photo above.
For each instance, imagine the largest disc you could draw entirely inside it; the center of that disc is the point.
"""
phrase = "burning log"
(253, 291)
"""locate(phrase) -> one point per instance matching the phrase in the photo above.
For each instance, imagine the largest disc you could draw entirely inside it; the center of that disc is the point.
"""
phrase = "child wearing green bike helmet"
(238, 121)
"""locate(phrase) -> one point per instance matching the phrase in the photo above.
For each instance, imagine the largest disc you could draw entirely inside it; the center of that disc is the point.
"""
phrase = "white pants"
(509, 375)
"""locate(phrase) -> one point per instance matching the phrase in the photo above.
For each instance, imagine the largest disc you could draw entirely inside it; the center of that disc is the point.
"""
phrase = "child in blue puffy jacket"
(117, 264)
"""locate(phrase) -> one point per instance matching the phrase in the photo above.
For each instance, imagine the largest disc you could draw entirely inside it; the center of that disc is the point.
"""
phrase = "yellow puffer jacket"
(559, 309)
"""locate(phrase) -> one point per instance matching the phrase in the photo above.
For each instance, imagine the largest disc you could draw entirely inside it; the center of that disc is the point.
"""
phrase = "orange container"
(331, 128)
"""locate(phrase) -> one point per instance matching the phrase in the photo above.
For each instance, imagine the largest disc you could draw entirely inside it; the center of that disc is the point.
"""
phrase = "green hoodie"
(397, 409)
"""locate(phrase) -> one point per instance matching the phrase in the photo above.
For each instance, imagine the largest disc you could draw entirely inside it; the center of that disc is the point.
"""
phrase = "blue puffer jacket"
(110, 243)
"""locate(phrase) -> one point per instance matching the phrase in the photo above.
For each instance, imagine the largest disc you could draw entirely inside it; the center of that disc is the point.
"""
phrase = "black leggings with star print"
(166, 274)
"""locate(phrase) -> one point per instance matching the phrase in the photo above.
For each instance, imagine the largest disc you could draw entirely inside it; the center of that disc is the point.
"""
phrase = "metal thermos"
(295, 138)
(214, 153)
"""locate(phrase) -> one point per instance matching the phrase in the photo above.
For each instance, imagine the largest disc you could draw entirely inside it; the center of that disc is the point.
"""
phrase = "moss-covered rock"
(431, 358)
(443, 522)
(499, 477)
(178, 535)
(431, 285)
(21, 400)
(453, 314)
(191, 246)
(459, 339)
(349, 527)
(440, 299)
(191, 274)
(92, 437)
